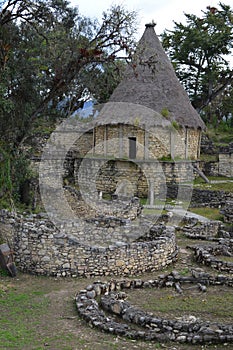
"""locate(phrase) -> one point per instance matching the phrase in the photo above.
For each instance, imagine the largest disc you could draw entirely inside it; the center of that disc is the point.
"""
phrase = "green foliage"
(166, 158)
(165, 113)
(14, 173)
(3, 273)
(20, 172)
(198, 50)
(5, 174)
(175, 125)
(103, 79)
(136, 121)
(221, 134)
(51, 60)
(224, 127)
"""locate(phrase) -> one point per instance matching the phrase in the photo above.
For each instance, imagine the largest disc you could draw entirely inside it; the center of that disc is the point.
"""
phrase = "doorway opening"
(132, 147)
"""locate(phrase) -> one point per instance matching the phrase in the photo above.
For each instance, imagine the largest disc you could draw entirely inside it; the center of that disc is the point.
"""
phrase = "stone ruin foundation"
(103, 305)
(43, 249)
(213, 255)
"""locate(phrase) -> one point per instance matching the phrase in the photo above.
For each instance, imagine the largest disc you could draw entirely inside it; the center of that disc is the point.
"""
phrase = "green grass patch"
(209, 157)
(226, 186)
(151, 211)
(199, 180)
(20, 315)
(220, 135)
(228, 259)
(209, 213)
(169, 304)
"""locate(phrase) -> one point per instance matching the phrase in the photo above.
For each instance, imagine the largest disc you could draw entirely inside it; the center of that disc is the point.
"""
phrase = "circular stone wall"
(137, 324)
(40, 248)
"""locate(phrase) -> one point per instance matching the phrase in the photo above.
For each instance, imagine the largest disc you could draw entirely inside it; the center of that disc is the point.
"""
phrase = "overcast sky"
(163, 12)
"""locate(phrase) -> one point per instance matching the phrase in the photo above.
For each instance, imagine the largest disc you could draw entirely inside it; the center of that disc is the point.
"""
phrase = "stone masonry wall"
(180, 141)
(208, 198)
(226, 164)
(159, 143)
(40, 248)
(139, 174)
(200, 198)
(210, 168)
(112, 140)
(193, 137)
(213, 255)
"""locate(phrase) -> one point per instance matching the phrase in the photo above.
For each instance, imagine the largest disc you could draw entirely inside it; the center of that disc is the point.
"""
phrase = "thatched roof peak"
(151, 82)
(152, 24)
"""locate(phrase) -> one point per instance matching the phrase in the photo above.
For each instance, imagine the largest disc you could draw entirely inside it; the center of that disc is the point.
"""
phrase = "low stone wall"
(226, 164)
(227, 211)
(200, 197)
(221, 167)
(208, 146)
(210, 168)
(40, 248)
(190, 330)
(211, 255)
(208, 198)
(205, 230)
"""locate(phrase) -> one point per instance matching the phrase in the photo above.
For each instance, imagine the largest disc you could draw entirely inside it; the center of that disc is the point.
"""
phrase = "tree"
(49, 57)
(47, 52)
(199, 51)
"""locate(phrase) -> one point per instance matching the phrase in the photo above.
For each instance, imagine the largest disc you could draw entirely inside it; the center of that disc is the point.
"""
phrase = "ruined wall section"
(40, 248)
(226, 164)
(138, 173)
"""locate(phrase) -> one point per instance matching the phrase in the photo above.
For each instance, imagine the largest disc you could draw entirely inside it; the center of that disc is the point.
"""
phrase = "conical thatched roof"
(152, 83)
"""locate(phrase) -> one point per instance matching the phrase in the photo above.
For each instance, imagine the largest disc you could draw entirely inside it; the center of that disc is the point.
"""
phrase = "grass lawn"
(210, 213)
(221, 186)
(170, 304)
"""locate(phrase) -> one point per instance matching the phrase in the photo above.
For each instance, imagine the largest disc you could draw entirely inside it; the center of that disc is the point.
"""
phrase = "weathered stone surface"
(208, 255)
(40, 248)
(227, 211)
(187, 329)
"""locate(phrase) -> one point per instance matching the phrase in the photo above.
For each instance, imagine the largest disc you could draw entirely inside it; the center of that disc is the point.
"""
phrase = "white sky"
(163, 12)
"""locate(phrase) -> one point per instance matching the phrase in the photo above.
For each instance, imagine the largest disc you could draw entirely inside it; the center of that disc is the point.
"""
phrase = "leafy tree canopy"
(51, 58)
(200, 50)
(48, 52)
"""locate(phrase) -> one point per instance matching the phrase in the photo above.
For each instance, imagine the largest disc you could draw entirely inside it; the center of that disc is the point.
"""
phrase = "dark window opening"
(132, 147)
